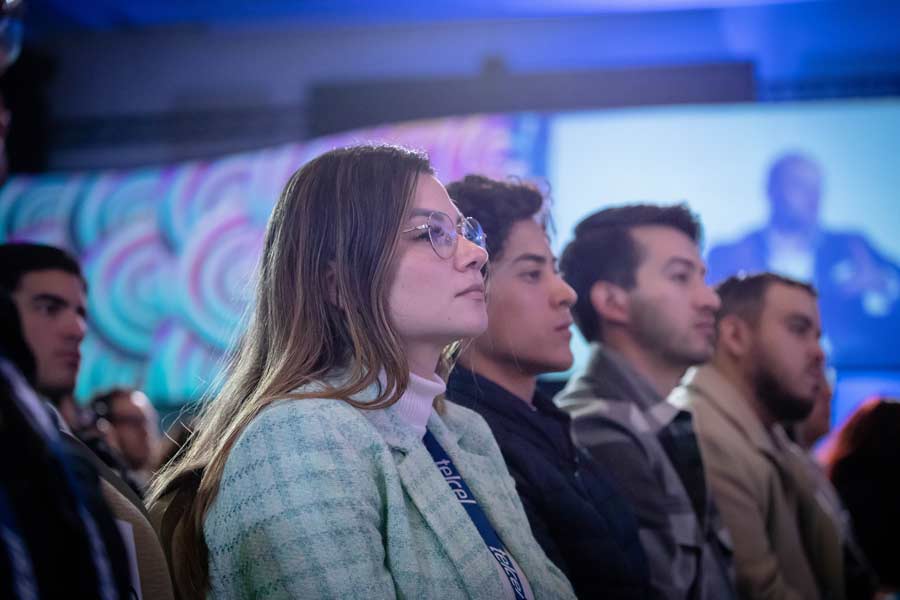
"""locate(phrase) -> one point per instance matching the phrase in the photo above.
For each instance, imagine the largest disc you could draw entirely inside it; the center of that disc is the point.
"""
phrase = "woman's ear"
(610, 301)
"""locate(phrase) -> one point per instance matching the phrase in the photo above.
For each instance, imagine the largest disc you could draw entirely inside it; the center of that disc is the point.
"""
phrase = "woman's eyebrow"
(424, 212)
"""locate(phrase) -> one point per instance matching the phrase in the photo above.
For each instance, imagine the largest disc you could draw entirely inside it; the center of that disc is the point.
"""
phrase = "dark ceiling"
(53, 15)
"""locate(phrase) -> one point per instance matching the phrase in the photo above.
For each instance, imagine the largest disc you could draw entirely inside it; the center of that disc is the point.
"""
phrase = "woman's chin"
(478, 326)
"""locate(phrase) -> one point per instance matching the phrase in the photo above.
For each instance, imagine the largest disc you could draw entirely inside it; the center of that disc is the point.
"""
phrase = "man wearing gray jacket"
(645, 307)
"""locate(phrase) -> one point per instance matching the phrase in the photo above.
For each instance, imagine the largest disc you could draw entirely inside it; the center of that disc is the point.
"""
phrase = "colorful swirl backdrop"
(170, 253)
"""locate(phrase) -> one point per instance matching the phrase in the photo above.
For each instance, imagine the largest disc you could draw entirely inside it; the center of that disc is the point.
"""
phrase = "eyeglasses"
(444, 234)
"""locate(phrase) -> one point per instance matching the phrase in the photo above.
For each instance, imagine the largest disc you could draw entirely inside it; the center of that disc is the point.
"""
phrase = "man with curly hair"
(584, 526)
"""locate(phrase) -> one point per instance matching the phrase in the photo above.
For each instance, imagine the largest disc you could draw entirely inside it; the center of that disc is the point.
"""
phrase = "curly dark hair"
(498, 205)
(605, 250)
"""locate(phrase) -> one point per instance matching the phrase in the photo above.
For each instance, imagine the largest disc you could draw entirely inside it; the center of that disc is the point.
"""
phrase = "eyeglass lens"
(443, 233)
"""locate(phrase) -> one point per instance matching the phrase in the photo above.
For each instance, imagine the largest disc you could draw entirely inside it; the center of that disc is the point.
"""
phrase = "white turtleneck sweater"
(417, 402)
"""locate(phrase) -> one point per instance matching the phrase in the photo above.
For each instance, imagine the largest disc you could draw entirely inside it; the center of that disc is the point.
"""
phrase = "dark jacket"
(584, 526)
(60, 539)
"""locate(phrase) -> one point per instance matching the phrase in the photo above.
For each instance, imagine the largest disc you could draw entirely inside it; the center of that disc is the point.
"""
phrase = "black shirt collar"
(495, 402)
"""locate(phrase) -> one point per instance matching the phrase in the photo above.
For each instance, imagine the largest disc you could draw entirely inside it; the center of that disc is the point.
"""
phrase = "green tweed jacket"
(322, 500)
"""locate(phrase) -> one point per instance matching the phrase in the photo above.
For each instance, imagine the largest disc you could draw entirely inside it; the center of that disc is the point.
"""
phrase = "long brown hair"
(320, 306)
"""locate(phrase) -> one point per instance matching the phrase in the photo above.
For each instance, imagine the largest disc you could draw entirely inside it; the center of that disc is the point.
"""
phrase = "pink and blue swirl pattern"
(170, 253)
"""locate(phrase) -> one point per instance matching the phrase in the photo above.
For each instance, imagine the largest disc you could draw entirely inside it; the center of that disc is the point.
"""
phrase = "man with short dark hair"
(59, 536)
(765, 373)
(583, 525)
(50, 294)
(644, 306)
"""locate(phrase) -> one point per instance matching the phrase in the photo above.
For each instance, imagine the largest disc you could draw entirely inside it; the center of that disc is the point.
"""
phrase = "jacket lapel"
(431, 495)
(496, 493)
(819, 533)
(727, 400)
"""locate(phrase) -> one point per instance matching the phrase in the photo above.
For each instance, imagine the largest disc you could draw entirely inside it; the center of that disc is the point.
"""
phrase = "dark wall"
(125, 98)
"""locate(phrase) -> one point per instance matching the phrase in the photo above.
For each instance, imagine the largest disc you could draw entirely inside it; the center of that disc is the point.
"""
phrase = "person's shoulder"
(728, 449)
(294, 441)
(588, 406)
(750, 237)
(724, 252)
(578, 391)
(474, 432)
(307, 424)
(597, 422)
(843, 238)
(314, 410)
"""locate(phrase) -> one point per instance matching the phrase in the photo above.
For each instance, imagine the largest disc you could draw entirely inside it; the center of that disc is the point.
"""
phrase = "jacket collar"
(611, 386)
(541, 423)
(398, 434)
(476, 392)
(612, 375)
(469, 448)
(726, 399)
(447, 518)
(393, 428)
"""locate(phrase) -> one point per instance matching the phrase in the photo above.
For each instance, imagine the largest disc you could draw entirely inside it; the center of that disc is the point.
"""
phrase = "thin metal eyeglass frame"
(457, 232)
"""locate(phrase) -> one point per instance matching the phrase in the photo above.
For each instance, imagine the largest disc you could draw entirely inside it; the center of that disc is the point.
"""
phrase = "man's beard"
(782, 404)
(654, 333)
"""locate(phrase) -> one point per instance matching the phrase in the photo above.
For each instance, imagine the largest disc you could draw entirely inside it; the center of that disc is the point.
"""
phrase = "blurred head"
(794, 188)
(872, 431)
(349, 281)
(528, 302)
(50, 294)
(769, 327)
(129, 422)
(638, 272)
(862, 465)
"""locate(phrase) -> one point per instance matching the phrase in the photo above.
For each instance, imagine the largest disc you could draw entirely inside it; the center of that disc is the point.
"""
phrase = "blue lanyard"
(467, 499)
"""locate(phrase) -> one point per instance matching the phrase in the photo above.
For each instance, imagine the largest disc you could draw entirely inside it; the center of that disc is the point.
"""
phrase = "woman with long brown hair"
(324, 467)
